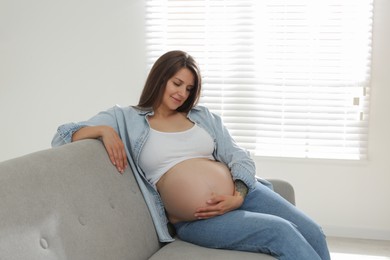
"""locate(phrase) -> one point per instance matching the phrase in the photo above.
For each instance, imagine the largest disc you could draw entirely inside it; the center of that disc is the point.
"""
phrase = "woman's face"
(177, 90)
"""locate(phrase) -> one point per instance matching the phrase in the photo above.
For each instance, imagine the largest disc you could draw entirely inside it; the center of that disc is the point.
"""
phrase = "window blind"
(290, 78)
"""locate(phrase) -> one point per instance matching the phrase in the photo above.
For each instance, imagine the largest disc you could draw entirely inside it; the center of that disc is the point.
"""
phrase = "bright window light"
(290, 78)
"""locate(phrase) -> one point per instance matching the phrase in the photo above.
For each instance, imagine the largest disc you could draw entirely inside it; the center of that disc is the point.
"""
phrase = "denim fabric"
(265, 223)
(133, 128)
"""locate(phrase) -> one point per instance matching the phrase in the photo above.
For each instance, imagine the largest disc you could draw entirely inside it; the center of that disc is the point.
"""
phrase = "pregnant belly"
(189, 184)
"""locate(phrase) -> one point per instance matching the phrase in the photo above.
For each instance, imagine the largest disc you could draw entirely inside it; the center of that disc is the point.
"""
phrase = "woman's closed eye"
(178, 84)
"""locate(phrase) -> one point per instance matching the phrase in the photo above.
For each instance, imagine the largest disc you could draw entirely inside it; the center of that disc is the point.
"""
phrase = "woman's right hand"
(111, 140)
(114, 147)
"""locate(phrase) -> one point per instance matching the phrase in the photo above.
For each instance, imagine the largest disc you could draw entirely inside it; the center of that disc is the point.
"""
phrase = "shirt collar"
(149, 110)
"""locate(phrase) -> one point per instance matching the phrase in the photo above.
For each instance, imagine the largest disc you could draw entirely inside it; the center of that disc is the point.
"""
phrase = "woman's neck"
(165, 113)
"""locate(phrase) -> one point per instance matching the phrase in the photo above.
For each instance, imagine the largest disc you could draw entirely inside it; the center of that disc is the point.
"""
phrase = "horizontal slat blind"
(290, 78)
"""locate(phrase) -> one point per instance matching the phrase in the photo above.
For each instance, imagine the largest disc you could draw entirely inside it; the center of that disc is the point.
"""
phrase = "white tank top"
(163, 150)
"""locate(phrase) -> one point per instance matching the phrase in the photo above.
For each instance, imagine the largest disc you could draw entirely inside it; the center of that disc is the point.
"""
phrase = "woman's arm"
(103, 126)
(240, 188)
(220, 204)
(238, 160)
(111, 140)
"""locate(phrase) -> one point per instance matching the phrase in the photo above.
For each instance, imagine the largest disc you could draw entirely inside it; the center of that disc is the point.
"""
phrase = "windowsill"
(344, 162)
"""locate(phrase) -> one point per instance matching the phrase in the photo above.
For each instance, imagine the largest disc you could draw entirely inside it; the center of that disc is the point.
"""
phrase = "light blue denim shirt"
(133, 128)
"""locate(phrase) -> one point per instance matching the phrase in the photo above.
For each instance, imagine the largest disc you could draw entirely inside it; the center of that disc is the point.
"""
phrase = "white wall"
(64, 61)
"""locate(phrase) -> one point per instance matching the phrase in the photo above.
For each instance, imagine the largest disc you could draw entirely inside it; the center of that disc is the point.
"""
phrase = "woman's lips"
(176, 100)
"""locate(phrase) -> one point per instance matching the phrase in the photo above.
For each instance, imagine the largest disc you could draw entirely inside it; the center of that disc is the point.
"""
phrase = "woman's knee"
(284, 229)
(311, 230)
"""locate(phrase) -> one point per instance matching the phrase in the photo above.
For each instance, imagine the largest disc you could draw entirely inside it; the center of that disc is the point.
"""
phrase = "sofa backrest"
(71, 203)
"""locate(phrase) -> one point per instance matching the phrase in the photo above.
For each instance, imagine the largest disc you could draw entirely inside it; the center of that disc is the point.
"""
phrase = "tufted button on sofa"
(71, 203)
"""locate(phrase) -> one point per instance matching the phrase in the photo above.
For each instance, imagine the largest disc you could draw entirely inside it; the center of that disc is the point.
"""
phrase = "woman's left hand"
(218, 205)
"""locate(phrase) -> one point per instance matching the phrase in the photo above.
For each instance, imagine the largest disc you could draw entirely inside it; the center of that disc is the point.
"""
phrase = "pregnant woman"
(192, 173)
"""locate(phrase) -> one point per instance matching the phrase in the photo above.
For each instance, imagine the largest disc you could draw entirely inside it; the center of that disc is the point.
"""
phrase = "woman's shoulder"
(204, 110)
(201, 110)
(126, 113)
(130, 110)
(205, 113)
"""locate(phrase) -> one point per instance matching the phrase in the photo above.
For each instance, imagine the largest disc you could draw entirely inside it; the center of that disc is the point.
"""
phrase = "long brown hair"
(163, 69)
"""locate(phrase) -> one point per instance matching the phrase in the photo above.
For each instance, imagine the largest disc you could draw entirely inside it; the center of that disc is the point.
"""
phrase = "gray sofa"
(71, 203)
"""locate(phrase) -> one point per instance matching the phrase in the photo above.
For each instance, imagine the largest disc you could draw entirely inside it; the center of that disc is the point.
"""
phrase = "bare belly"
(189, 184)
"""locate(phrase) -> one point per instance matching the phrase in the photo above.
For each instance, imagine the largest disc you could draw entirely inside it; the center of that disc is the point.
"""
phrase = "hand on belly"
(188, 186)
(218, 205)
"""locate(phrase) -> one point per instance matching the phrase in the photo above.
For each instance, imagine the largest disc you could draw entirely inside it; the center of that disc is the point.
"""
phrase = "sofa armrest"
(285, 189)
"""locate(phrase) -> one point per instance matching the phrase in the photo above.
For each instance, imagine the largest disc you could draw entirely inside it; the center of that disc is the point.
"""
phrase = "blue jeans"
(265, 223)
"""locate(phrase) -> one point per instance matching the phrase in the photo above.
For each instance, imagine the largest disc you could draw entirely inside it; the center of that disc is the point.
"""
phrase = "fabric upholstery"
(71, 203)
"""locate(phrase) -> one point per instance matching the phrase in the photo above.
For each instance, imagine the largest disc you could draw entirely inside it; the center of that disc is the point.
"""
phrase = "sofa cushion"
(71, 203)
(180, 250)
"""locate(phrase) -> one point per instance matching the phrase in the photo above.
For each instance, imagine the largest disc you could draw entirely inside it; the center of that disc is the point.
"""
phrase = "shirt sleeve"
(239, 161)
(65, 132)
